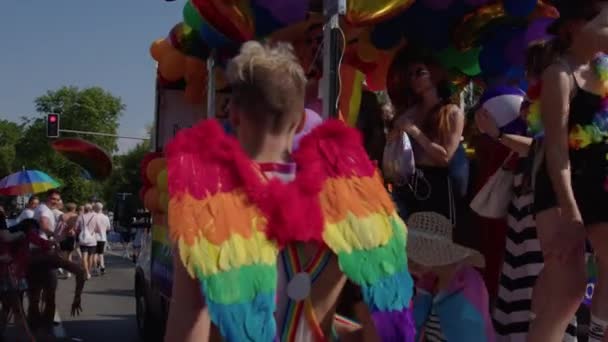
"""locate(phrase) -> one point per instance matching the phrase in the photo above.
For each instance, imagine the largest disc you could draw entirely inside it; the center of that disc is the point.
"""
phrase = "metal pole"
(211, 85)
(330, 82)
(102, 134)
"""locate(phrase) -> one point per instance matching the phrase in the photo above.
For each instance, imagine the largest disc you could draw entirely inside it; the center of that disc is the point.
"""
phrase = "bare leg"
(85, 264)
(560, 278)
(599, 240)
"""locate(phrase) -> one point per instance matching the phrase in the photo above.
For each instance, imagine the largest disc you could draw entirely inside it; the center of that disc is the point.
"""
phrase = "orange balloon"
(196, 67)
(159, 48)
(195, 93)
(196, 70)
(154, 167)
(172, 66)
(376, 80)
(366, 51)
(365, 12)
(151, 200)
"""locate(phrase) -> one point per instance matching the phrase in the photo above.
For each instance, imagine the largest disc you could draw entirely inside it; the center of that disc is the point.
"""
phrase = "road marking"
(58, 329)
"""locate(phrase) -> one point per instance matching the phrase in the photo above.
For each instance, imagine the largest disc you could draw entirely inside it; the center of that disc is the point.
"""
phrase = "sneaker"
(88, 276)
(69, 275)
(103, 270)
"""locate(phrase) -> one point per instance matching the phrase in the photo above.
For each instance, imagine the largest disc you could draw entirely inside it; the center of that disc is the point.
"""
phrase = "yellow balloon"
(161, 180)
(468, 32)
(365, 12)
(163, 202)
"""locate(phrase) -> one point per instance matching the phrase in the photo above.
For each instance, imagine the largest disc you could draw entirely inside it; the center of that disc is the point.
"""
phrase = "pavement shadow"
(113, 292)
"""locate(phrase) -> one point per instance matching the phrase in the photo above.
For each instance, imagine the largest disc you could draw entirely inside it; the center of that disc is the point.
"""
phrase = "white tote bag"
(492, 201)
(398, 160)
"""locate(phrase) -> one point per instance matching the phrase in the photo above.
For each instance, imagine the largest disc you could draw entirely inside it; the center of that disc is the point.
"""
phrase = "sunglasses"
(419, 72)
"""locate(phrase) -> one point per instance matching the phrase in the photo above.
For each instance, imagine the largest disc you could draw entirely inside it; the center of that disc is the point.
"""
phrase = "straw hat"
(430, 243)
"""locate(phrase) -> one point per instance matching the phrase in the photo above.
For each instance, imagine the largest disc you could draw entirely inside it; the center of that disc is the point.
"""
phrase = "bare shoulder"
(454, 111)
(555, 74)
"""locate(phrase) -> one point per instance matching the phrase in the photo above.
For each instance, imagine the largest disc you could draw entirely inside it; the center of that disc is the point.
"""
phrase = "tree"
(126, 178)
(10, 133)
(90, 109)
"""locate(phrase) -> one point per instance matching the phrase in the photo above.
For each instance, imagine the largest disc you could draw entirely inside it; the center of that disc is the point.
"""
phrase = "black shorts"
(101, 247)
(68, 244)
(589, 172)
(88, 249)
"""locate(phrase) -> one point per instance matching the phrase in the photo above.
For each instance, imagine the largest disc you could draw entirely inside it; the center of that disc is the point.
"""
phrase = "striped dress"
(522, 263)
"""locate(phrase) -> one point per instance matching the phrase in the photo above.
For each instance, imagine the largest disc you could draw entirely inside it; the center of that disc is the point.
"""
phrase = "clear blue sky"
(45, 44)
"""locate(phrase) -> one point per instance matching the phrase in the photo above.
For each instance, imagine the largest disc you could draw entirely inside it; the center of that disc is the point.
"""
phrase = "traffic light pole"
(102, 134)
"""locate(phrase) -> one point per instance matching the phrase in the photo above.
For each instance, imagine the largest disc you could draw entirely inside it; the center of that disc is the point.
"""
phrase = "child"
(451, 302)
(271, 237)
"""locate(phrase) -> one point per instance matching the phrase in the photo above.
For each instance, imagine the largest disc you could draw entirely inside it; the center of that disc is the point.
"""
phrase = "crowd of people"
(47, 241)
(521, 277)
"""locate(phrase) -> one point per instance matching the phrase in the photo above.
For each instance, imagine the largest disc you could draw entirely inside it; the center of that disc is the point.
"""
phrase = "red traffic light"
(52, 125)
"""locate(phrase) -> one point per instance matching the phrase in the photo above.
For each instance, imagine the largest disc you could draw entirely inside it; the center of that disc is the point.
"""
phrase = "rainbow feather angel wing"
(362, 226)
(220, 234)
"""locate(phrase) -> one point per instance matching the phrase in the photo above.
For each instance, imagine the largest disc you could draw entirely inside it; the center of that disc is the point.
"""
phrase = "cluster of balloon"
(155, 194)
(182, 56)
(365, 12)
(504, 30)
(222, 23)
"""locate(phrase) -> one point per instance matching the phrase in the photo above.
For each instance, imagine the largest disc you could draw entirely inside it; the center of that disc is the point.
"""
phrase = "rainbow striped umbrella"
(27, 182)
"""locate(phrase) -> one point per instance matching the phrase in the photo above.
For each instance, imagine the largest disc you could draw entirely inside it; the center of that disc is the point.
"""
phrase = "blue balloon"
(519, 8)
(213, 38)
(265, 22)
(492, 61)
(386, 35)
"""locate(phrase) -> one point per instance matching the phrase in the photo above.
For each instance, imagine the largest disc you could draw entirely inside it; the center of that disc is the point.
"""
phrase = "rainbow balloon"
(92, 158)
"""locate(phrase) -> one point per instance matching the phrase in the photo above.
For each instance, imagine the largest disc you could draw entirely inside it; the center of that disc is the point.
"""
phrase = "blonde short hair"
(268, 85)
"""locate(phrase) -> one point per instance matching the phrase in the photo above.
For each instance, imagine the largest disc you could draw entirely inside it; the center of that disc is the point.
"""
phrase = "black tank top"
(583, 107)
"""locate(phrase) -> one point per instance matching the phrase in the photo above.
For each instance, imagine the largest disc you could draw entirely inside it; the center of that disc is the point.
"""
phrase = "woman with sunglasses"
(434, 126)
(571, 190)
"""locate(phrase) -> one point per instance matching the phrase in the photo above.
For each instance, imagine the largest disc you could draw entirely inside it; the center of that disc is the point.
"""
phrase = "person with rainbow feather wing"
(270, 237)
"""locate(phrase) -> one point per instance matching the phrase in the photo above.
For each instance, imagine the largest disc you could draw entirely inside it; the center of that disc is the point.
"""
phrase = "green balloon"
(191, 16)
(467, 62)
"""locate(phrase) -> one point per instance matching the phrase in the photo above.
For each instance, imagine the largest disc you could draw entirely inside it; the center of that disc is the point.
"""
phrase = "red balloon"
(231, 18)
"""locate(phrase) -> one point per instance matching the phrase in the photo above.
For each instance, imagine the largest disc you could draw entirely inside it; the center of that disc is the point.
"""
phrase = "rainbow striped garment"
(230, 223)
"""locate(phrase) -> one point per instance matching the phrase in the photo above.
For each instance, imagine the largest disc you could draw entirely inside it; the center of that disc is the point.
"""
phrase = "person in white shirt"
(103, 225)
(86, 226)
(30, 209)
(45, 216)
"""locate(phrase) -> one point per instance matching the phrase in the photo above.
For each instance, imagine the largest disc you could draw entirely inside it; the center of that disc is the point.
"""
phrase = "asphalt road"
(108, 306)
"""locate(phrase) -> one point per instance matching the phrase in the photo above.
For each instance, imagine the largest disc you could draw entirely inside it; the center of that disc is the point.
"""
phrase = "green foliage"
(126, 178)
(89, 109)
(10, 133)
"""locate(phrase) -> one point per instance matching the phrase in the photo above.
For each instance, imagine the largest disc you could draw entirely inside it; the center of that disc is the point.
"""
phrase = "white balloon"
(504, 108)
